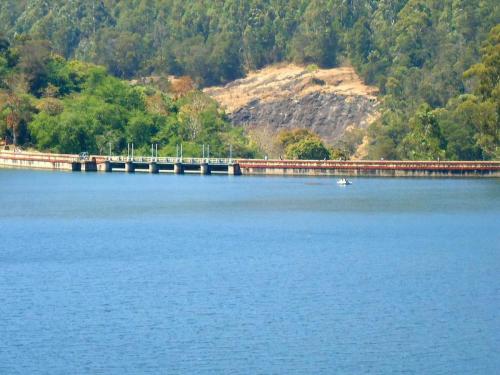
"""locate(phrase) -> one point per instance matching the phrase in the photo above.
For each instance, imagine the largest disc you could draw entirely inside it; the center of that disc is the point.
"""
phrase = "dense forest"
(436, 62)
(70, 106)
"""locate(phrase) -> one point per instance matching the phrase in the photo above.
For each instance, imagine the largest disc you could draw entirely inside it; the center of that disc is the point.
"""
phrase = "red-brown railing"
(370, 164)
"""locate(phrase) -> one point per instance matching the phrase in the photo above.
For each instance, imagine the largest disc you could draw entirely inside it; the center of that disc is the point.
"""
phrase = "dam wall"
(63, 162)
(74, 163)
(370, 168)
(260, 167)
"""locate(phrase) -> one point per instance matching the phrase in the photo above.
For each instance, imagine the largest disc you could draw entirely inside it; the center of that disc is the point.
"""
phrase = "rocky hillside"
(327, 101)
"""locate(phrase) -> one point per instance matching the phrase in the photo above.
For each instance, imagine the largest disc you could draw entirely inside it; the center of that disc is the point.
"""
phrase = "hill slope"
(327, 101)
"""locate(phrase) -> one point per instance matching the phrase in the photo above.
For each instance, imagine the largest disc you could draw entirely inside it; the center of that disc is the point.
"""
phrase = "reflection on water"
(128, 274)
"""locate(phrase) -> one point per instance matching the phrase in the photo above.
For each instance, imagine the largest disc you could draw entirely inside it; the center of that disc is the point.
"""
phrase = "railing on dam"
(68, 158)
(370, 164)
(165, 160)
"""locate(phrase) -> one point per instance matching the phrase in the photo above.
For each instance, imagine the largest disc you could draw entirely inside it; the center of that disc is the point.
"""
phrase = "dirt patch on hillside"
(289, 81)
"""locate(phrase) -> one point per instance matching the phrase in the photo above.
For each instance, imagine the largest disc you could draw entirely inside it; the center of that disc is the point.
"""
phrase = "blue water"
(145, 274)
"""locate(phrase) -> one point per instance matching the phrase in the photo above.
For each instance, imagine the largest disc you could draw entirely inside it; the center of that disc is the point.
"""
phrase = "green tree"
(140, 129)
(424, 141)
(120, 52)
(487, 72)
(307, 149)
(34, 56)
(302, 144)
(316, 40)
(487, 87)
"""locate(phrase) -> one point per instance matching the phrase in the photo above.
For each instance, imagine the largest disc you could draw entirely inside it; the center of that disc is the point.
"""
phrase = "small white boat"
(344, 181)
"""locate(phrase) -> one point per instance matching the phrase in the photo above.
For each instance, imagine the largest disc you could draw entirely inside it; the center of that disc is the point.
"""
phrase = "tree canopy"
(302, 144)
(71, 106)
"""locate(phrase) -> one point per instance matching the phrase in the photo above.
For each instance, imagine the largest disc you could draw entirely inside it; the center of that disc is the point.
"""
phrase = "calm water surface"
(142, 274)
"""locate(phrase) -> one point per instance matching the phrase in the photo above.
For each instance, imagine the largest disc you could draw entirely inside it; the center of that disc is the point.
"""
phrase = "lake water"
(163, 274)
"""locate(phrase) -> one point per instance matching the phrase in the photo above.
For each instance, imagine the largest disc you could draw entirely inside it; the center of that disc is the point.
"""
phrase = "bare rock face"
(327, 101)
(327, 114)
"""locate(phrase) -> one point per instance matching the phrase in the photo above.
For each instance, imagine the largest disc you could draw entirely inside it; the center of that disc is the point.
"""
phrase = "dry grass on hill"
(289, 81)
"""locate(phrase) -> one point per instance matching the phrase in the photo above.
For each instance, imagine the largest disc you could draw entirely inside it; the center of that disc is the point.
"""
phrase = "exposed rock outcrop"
(327, 101)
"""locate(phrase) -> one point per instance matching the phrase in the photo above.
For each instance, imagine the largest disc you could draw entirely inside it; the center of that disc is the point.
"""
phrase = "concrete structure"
(153, 167)
(206, 166)
(370, 168)
(106, 166)
(234, 169)
(88, 165)
(40, 161)
(178, 168)
(129, 167)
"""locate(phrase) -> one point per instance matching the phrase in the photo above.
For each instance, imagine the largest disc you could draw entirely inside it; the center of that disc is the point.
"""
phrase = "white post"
(181, 151)
(156, 151)
(132, 151)
(128, 151)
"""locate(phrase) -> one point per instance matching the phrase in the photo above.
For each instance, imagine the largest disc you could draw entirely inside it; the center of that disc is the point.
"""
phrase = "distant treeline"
(415, 51)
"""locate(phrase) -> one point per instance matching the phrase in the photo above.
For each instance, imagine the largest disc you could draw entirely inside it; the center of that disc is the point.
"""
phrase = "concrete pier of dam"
(205, 166)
